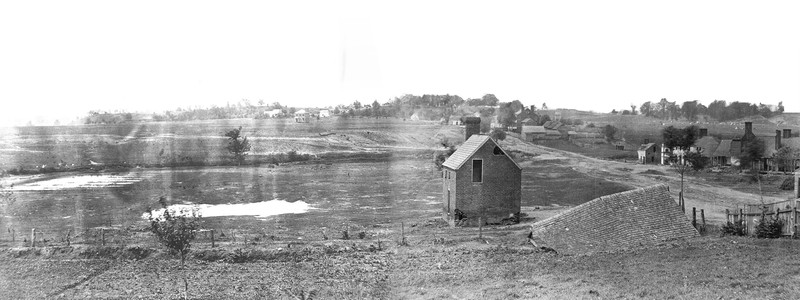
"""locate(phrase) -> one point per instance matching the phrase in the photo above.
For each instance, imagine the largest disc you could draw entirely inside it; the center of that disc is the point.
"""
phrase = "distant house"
(706, 146)
(455, 120)
(532, 133)
(555, 125)
(414, 117)
(273, 113)
(324, 113)
(648, 153)
(480, 180)
(301, 116)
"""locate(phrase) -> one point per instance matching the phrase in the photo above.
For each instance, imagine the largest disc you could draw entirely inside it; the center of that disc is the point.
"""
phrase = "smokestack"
(703, 132)
(787, 133)
(473, 126)
(777, 139)
(748, 127)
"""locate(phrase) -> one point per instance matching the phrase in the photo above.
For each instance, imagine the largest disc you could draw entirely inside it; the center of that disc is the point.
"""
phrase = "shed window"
(477, 170)
(497, 150)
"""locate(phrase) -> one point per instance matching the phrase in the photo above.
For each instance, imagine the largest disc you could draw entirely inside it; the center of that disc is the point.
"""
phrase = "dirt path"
(712, 198)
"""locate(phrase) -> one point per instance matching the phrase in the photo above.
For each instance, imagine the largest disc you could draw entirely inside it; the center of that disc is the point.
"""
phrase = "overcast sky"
(59, 59)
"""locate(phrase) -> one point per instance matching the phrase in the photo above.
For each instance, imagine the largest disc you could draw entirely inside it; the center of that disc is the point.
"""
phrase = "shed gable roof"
(468, 149)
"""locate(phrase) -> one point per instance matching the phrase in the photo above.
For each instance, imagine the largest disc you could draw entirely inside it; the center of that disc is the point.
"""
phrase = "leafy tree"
(752, 152)
(490, 100)
(614, 111)
(544, 106)
(647, 109)
(498, 134)
(357, 105)
(175, 229)
(785, 158)
(505, 115)
(633, 109)
(689, 110)
(609, 131)
(237, 145)
(679, 143)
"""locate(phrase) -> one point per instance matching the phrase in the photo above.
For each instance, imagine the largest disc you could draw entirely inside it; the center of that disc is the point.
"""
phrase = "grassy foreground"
(498, 266)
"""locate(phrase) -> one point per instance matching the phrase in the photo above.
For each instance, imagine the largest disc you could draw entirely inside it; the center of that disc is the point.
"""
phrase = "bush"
(174, 229)
(736, 229)
(769, 228)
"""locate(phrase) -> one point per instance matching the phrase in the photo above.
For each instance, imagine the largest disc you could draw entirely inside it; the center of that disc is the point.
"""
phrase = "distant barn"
(480, 180)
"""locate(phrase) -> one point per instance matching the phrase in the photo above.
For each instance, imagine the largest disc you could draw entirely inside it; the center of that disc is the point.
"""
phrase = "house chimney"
(787, 133)
(703, 132)
(473, 126)
(646, 141)
(748, 127)
(777, 139)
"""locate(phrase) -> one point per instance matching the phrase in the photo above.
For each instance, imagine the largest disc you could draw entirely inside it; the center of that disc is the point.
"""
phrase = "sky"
(60, 59)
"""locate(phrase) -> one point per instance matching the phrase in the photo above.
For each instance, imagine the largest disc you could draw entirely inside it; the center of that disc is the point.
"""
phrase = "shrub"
(175, 229)
(730, 228)
(769, 228)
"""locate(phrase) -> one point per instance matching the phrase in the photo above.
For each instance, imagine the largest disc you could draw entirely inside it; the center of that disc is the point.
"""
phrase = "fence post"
(703, 218)
(741, 220)
(728, 215)
(33, 237)
(480, 227)
(794, 222)
(694, 217)
(403, 233)
(212, 238)
(103, 236)
(13, 235)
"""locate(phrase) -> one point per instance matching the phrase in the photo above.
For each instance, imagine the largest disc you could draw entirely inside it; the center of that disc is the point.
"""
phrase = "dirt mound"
(641, 217)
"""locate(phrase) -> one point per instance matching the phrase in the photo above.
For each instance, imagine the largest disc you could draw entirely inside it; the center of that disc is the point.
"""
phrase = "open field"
(276, 255)
(203, 142)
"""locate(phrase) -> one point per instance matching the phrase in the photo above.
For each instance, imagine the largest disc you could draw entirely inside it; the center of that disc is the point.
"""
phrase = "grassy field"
(203, 142)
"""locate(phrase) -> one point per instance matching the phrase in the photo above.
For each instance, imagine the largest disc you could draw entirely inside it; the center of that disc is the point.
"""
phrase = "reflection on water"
(258, 209)
(311, 196)
(78, 181)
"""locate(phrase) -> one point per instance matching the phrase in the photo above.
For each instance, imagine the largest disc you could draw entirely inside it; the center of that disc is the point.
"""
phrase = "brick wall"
(499, 195)
(640, 217)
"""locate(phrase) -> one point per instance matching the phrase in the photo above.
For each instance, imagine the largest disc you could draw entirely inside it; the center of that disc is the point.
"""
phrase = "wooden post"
(480, 227)
(68, 234)
(212, 238)
(13, 235)
(33, 237)
(728, 215)
(703, 218)
(403, 233)
(103, 236)
(794, 222)
(694, 217)
(741, 220)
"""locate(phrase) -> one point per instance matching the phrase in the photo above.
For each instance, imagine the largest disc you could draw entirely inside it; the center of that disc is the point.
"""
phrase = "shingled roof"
(467, 149)
(724, 149)
(640, 217)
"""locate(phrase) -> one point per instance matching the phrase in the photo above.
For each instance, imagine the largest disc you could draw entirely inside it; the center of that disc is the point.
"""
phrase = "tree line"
(718, 109)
